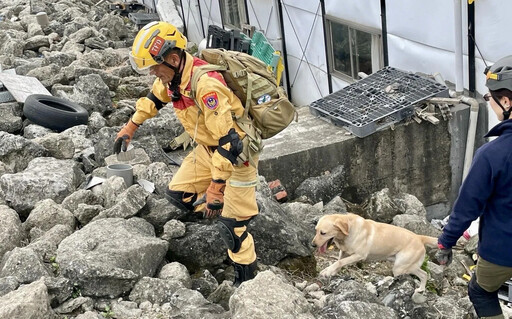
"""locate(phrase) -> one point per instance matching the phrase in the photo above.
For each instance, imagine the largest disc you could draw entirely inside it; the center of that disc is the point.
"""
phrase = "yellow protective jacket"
(217, 102)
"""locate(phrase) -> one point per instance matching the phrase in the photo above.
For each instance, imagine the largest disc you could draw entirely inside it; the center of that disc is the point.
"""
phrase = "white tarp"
(420, 35)
(364, 13)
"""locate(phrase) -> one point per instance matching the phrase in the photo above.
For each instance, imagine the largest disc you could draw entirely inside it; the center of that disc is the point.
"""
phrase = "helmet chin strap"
(506, 113)
(174, 86)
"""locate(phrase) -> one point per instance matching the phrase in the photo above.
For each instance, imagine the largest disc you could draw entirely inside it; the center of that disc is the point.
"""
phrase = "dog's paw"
(329, 271)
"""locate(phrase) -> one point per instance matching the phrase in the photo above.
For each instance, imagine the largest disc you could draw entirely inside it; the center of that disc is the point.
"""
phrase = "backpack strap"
(198, 73)
(244, 122)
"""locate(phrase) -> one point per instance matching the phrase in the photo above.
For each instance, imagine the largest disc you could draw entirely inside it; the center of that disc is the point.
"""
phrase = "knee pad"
(177, 199)
(486, 303)
(226, 227)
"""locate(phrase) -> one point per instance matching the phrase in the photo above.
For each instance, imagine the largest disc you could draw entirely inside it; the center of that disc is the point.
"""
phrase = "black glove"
(124, 137)
(444, 255)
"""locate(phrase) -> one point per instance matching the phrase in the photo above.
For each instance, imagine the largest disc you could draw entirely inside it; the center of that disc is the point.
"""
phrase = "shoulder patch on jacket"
(211, 100)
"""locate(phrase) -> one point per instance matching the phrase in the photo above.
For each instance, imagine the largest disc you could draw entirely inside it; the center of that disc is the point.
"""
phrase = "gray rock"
(127, 205)
(104, 143)
(158, 212)
(11, 230)
(335, 206)
(112, 188)
(34, 29)
(24, 264)
(409, 204)
(126, 309)
(198, 238)
(357, 310)
(351, 290)
(222, 294)
(85, 213)
(46, 244)
(36, 42)
(33, 131)
(173, 229)
(16, 152)
(74, 304)
(322, 188)
(417, 224)
(104, 257)
(250, 300)
(28, 66)
(60, 147)
(277, 234)
(90, 315)
(115, 26)
(15, 107)
(96, 43)
(81, 35)
(92, 93)
(193, 305)
(307, 214)
(177, 272)
(154, 290)
(28, 301)
(47, 214)
(13, 42)
(446, 307)
(73, 48)
(103, 59)
(60, 289)
(80, 137)
(48, 75)
(59, 58)
(380, 207)
(81, 196)
(205, 284)
(43, 178)
(96, 121)
(8, 284)
(9, 122)
(159, 174)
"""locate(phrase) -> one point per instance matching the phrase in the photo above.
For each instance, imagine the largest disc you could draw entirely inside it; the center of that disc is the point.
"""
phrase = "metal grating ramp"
(377, 101)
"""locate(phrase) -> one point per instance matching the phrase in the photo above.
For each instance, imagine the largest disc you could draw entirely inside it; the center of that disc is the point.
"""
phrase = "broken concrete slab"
(22, 86)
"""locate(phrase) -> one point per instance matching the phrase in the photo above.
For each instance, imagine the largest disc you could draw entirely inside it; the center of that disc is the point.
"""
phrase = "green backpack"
(267, 108)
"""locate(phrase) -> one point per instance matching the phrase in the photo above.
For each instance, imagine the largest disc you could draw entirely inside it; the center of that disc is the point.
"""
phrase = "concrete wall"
(421, 159)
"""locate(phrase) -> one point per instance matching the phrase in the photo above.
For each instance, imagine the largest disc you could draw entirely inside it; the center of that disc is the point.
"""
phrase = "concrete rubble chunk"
(107, 257)
(47, 214)
(28, 301)
(250, 300)
(16, 152)
(24, 264)
(11, 230)
(43, 178)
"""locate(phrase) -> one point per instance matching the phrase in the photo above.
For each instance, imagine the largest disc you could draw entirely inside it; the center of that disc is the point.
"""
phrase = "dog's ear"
(342, 225)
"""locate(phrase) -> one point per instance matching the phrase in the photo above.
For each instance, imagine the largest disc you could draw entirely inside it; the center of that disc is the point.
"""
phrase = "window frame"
(242, 14)
(352, 27)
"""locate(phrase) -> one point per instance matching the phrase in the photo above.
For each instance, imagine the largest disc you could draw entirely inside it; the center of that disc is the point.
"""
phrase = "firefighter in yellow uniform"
(214, 166)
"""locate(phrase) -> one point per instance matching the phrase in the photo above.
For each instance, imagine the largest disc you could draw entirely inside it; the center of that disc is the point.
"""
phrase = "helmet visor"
(141, 65)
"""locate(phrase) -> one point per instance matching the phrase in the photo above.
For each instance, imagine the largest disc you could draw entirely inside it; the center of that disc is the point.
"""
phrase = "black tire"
(53, 112)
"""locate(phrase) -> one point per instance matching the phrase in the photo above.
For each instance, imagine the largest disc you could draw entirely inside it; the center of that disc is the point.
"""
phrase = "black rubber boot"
(243, 272)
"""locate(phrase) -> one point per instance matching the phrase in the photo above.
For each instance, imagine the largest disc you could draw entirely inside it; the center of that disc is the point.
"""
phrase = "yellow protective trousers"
(195, 175)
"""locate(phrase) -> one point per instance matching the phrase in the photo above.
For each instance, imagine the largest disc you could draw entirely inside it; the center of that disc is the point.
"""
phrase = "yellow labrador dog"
(364, 239)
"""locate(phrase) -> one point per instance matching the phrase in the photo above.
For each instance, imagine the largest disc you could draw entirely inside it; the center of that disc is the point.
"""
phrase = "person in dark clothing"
(486, 193)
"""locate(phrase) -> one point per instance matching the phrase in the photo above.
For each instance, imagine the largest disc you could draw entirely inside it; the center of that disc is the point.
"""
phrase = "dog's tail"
(429, 241)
